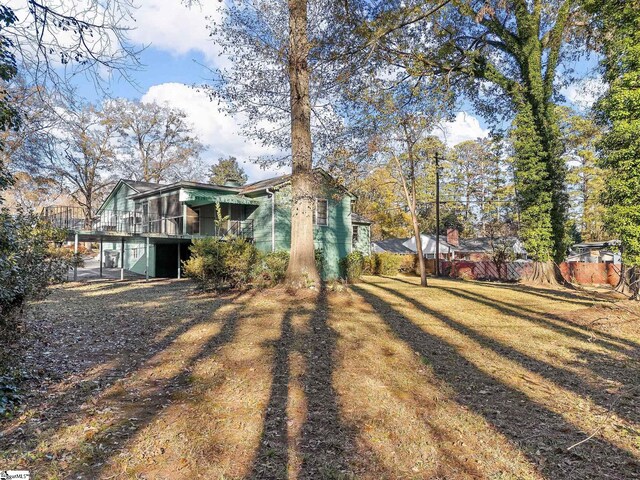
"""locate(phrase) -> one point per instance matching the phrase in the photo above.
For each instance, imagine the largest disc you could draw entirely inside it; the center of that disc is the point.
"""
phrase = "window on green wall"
(354, 235)
(322, 212)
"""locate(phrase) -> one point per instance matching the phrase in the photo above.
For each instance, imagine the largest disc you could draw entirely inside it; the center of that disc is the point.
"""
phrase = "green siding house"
(147, 228)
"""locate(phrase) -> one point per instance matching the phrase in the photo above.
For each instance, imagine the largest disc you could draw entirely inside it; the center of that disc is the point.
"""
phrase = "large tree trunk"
(302, 271)
(543, 273)
(629, 283)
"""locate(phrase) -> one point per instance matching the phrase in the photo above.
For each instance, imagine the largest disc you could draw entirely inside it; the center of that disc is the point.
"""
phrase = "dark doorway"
(167, 258)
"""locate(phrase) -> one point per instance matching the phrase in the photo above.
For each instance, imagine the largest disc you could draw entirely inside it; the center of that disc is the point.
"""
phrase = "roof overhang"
(194, 195)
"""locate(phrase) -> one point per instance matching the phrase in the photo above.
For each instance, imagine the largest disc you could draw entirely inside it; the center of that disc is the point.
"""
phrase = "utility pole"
(437, 215)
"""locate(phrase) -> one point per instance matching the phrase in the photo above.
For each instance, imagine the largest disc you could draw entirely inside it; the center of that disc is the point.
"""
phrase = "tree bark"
(629, 283)
(302, 271)
(542, 273)
(421, 264)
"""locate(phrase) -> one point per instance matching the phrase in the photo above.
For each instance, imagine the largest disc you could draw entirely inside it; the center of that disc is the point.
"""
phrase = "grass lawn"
(382, 380)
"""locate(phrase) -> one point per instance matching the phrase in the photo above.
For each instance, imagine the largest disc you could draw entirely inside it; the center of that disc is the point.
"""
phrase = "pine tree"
(227, 169)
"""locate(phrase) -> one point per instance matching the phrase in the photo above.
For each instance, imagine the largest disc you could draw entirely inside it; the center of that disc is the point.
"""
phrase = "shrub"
(270, 269)
(387, 263)
(409, 264)
(369, 265)
(319, 256)
(28, 263)
(352, 266)
(218, 263)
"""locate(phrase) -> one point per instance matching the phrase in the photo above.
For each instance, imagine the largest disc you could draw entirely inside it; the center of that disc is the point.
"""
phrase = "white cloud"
(219, 132)
(464, 127)
(171, 26)
(583, 94)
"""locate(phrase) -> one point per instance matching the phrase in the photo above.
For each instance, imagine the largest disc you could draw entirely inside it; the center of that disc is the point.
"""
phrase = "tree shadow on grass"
(135, 412)
(272, 458)
(560, 293)
(325, 441)
(562, 377)
(553, 322)
(126, 352)
(541, 434)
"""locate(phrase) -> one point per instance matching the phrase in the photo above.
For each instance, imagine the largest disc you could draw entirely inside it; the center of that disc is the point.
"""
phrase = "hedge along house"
(147, 228)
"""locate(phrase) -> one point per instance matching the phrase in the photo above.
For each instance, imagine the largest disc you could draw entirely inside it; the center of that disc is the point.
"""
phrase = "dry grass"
(385, 380)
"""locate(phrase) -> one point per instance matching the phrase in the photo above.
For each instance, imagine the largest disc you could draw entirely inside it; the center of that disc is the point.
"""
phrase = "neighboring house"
(595, 252)
(451, 246)
(407, 246)
(151, 226)
(481, 249)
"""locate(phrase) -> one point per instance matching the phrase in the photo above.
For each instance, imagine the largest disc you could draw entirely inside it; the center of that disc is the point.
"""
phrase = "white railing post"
(75, 257)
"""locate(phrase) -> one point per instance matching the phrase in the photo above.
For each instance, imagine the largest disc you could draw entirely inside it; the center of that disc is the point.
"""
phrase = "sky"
(179, 54)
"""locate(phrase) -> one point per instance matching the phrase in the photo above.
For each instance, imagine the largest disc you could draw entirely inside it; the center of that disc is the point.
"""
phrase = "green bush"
(369, 265)
(409, 264)
(219, 263)
(387, 263)
(352, 266)
(269, 269)
(28, 262)
(319, 256)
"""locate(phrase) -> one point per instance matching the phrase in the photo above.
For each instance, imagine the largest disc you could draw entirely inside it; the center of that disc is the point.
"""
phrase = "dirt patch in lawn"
(383, 380)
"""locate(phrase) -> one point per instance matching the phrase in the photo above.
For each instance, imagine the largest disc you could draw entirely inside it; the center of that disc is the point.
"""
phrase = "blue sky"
(177, 55)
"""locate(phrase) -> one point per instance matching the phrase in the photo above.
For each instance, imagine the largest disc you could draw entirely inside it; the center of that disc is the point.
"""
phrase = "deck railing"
(136, 223)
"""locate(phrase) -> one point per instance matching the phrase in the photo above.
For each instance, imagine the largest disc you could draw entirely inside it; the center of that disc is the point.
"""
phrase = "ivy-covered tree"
(505, 57)
(618, 24)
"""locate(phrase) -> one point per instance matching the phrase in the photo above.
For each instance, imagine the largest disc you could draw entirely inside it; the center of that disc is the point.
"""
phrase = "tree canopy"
(225, 170)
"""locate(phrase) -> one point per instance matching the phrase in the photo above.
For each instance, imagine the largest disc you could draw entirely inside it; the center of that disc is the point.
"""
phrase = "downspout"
(272, 194)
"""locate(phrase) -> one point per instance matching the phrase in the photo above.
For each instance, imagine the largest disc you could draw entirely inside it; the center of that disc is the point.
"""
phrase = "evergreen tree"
(618, 22)
(227, 169)
(585, 181)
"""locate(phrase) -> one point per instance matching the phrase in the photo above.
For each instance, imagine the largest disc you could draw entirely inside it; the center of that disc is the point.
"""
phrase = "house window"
(354, 235)
(322, 211)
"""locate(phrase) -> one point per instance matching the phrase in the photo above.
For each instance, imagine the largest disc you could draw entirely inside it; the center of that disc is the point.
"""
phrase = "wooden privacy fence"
(582, 273)
(510, 271)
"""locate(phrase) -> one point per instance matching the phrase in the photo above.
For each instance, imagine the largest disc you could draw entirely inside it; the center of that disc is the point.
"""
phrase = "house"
(595, 252)
(481, 249)
(452, 247)
(147, 228)
(407, 246)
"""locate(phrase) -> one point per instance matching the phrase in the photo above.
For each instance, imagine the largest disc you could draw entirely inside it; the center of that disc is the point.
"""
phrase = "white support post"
(122, 259)
(75, 258)
(146, 256)
(179, 261)
(101, 255)
(184, 219)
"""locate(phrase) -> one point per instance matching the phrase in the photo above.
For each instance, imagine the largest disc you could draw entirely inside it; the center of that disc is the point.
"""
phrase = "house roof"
(355, 218)
(183, 184)
(141, 187)
(283, 179)
(392, 245)
(484, 244)
(267, 183)
(144, 189)
(602, 244)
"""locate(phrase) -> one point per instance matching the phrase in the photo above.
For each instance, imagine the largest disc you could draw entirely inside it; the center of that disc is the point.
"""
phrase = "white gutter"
(272, 194)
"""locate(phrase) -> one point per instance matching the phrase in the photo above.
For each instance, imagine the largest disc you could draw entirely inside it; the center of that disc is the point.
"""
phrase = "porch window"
(193, 221)
(354, 235)
(322, 212)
